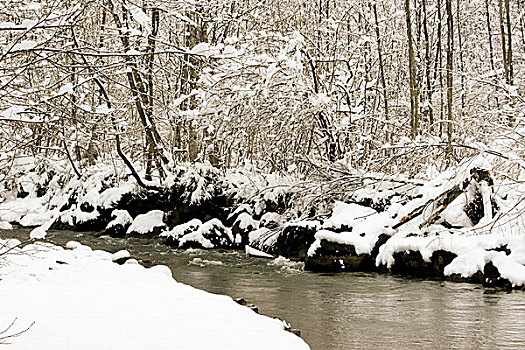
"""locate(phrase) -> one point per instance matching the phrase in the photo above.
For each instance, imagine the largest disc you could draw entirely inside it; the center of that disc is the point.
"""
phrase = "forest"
(391, 86)
(317, 138)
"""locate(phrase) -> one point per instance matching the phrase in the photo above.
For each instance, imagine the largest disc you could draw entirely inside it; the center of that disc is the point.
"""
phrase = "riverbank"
(87, 301)
(463, 224)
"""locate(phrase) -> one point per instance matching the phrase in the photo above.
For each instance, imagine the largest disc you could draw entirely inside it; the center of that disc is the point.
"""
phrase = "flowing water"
(340, 311)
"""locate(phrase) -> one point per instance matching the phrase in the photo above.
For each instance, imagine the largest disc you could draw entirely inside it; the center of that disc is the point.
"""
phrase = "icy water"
(341, 311)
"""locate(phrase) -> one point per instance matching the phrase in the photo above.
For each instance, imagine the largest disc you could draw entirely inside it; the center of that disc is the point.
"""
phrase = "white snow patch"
(4, 225)
(245, 220)
(84, 299)
(121, 217)
(347, 215)
(182, 229)
(145, 223)
(250, 251)
(121, 254)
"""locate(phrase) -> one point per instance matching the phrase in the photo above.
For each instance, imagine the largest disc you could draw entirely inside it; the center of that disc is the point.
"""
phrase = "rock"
(243, 225)
(234, 215)
(295, 239)
(492, 278)
(412, 264)
(147, 225)
(243, 302)
(270, 220)
(336, 257)
(295, 331)
(120, 257)
(263, 239)
(174, 235)
(476, 278)
(211, 234)
(119, 225)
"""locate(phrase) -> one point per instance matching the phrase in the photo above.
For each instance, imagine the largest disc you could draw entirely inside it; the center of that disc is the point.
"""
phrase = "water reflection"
(345, 311)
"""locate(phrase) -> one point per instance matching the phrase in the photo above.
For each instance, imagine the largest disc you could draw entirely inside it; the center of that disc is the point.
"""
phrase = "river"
(340, 311)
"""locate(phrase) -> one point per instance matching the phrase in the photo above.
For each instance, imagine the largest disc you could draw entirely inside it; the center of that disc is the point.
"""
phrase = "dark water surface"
(342, 311)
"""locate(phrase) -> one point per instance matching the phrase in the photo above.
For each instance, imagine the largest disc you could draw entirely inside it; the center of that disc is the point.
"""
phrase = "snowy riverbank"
(79, 299)
(463, 224)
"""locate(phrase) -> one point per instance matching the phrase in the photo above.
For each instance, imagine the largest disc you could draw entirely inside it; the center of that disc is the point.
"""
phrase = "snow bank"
(78, 299)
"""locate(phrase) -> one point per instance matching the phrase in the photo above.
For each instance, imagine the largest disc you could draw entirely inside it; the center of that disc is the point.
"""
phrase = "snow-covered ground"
(79, 299)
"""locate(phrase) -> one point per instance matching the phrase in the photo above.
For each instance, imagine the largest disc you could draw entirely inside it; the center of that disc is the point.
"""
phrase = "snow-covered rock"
(242, 226)
(120, 224)
(149, 224)
(345, 215)
(295, 239)
(211, 234)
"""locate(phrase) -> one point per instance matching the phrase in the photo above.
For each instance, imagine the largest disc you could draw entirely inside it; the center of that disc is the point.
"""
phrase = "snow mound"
(146, 223)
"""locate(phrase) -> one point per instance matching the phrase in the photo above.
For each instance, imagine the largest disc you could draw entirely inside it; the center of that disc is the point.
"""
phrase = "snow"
(88, 302)
(468, 264)
(37, 218)
(38, 233)
(140, 17)
(121, 217)
(364, 233)
(250, 251)
(73, 245)
(4, 225)
(270, 217)
(200, 48)
(287, 265)
(245, 220)
(182, 229)
(206, 228)
(112, 195)
(121, 254)
(25, 45)
(13, 211)
(66, 89)
(263, 237)
(347, 215)
(145, 223)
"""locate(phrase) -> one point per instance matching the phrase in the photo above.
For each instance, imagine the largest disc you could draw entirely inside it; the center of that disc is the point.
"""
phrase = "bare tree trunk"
(503, 42)
(461, 64)
(489, 29)
(381, 70)
(427, 65)
(510, 80)
(138, 89)
(450, 77)
(414, 91)
(439, 66)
